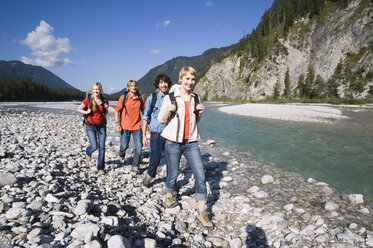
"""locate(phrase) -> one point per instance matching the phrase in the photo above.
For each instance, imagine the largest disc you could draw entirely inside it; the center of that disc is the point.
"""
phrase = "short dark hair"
(164, 78)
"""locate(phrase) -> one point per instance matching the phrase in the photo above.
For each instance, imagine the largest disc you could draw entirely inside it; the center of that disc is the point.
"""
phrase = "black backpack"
(85, 117)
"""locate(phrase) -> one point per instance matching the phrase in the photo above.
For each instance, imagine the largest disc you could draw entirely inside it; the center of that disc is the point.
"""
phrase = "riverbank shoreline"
(322, 113)
(58, 197)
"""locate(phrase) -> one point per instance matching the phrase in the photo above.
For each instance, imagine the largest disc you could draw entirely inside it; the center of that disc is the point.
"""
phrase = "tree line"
(27, 90)
(312, 87)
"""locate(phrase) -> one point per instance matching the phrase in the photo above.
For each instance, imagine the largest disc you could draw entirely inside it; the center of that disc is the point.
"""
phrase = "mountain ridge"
(15, 70)
(172, 67)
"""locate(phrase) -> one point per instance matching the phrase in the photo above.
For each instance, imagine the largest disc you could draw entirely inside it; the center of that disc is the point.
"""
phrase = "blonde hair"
(94, 104)
(130, 82)
(185, 71)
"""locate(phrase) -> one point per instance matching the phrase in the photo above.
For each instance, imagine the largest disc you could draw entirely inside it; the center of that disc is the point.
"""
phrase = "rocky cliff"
(337, 45)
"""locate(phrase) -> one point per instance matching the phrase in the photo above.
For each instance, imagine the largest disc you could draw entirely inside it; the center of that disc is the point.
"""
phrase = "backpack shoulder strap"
(141, 100)
(90, 101)
(124, 101)
(152, 104)
(103, 104)
(173, 101)
(196, 102)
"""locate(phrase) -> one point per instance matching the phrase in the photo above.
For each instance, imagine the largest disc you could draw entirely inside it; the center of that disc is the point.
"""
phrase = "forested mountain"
(17, 70)
(172, 67)
(26, 90)
(302, 50)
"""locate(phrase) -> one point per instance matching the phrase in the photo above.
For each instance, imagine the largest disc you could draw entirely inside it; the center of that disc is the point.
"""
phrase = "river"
(340, 154)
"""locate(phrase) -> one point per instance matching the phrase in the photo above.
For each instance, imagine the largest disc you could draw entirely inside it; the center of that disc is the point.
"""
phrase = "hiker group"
(172, 120)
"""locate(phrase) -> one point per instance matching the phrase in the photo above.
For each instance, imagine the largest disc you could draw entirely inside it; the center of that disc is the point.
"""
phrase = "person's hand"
(118, 129)
(88, 111)
(200, 108)
(172, 108)
(144, 141)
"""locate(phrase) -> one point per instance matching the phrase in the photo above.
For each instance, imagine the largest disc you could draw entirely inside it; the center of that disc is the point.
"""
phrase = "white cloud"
(166, 23)
(113, 90)
(209, 3)
(154, 51)
(163, 24)
(46, 49)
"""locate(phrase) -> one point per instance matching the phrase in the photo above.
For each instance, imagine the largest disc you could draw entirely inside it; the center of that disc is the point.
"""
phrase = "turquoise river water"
(340, 154)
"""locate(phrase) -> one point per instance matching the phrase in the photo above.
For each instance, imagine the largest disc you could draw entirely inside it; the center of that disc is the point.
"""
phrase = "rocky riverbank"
(52, 197)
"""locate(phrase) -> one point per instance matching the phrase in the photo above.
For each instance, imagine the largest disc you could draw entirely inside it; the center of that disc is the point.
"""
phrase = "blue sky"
(84, 41)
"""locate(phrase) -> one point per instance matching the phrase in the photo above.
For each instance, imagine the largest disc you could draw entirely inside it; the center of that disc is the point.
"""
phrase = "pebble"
(52, 197)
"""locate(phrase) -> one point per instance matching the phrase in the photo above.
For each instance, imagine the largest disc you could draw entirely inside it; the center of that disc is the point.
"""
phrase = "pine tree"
(276, 90)
(287, 84)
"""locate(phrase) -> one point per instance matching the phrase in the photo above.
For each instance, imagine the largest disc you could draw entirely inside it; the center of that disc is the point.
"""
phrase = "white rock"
(15, 213)
(288, 207)
(253, 189)
(51, 198)
(266, 179)
(83, 207)
(82, 230)
(235, 243)
(150, 243)
(311, 180)
(34, 233)
(7, 178)
(227, 179)
(331, 206)
(364, 211)
(352, 226)
(118, 241)
(356, 199)
(260, 194)
(93, 244)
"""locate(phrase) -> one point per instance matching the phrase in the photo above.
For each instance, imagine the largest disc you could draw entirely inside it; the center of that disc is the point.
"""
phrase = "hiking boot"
(122, 160)
(101, 172)
(146, 181)
(204, 218)
(171, 201)
(89, 158)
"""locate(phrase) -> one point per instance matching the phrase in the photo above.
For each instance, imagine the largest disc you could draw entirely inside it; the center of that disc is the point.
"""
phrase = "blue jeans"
(93, 132)
(125, 140)
(173, 152)
(156, 147)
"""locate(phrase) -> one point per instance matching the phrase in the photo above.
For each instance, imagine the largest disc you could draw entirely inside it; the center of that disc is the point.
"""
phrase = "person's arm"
(144, 129)
(81, 109)
(118, 128)
(166, 110)
(145, 118)
(118, 109)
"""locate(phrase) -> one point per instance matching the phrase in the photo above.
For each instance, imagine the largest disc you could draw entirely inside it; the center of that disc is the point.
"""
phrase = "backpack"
(173, 114)
(152, 105)
(85, 117)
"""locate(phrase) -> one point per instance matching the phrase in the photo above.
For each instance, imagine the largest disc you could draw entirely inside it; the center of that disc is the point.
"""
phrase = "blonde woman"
(181, 134)
(95, 108)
